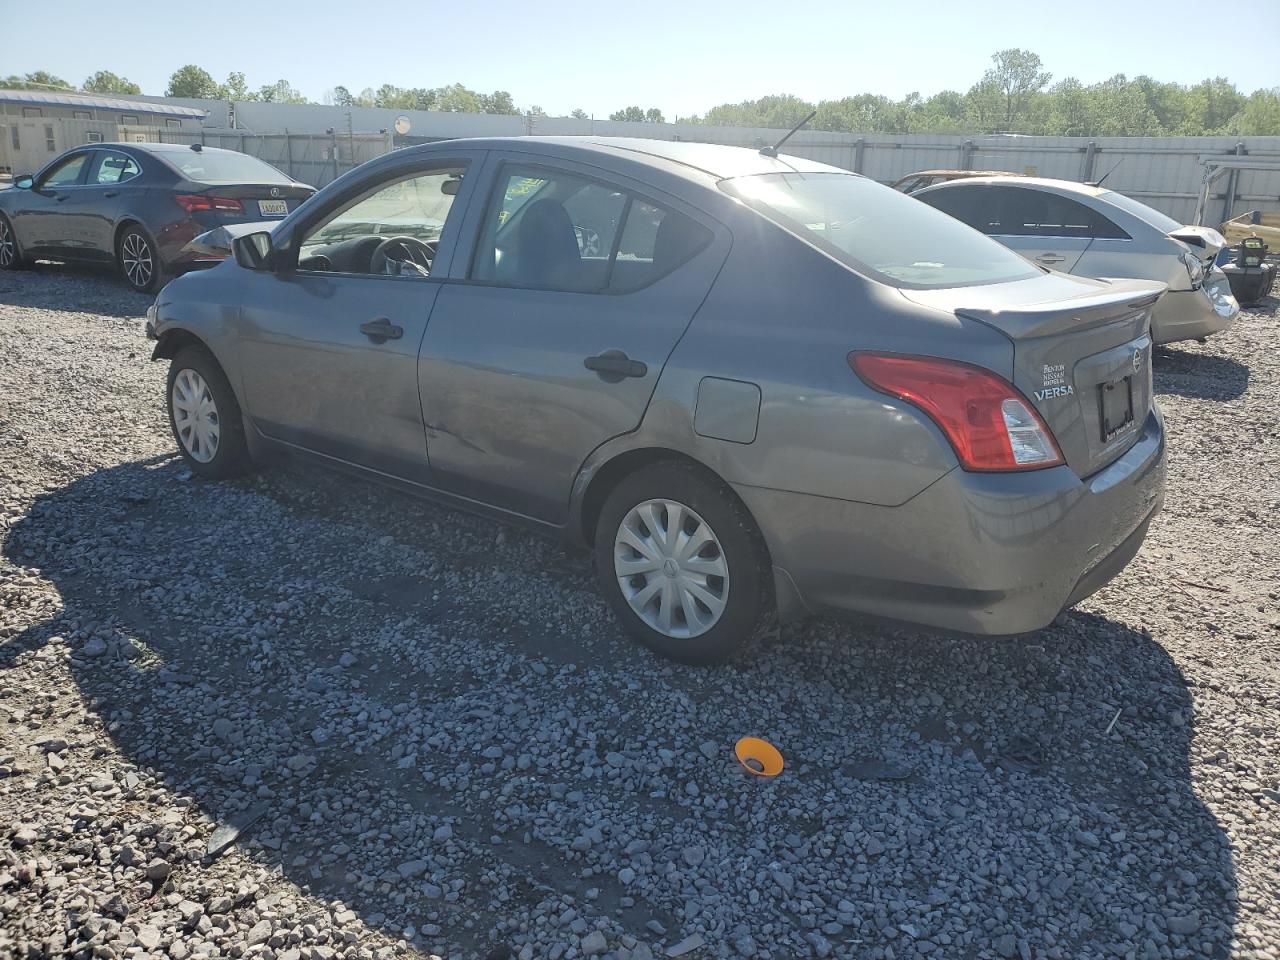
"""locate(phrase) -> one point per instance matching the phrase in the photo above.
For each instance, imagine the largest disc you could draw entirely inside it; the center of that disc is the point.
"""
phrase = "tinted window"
(1021, 212)
(67, 172)
(1028, 212)
(553, 230)
(414, 208)
(878, 231)
(114, 168)
(966, 204)
(206, 166)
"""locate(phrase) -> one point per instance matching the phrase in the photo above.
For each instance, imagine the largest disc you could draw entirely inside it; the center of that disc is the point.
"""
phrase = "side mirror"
(253, 250)
(24, 183)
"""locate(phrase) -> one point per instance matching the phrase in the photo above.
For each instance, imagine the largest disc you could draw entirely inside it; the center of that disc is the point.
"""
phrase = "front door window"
(393, 231)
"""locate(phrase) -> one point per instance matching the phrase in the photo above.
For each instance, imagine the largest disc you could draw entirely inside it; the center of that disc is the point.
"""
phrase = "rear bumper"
(993, 554)
(1192, 314)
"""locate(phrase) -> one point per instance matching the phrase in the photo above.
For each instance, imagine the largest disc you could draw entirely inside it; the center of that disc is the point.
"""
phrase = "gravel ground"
(435, 739)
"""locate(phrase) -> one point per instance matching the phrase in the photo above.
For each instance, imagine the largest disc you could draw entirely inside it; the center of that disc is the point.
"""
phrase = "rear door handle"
(614, 365)
(1051, 258)
(60, 197)
(112, 193)
(381, 330)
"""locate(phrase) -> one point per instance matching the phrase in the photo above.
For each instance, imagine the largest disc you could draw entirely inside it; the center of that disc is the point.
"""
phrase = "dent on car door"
(553, 340)
(328, 351)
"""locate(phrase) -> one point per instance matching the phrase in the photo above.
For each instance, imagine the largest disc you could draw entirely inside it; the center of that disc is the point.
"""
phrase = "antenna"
(773, 151)
(1098, 182)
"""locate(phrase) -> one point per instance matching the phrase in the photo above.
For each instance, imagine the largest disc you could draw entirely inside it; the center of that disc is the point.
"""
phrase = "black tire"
(11, 257)
(230, 453)
(748, 589)
(139, 260)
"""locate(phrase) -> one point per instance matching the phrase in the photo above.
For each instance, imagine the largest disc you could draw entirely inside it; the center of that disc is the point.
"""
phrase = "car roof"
(1004, 180)
(695, 161)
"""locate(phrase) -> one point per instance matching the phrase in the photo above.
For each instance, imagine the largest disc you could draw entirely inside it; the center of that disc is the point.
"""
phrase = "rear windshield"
(208, 167)
(878, 231)
(1140, 210)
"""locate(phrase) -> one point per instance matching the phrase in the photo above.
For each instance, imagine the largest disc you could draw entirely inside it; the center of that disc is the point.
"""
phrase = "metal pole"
(288, 153)
(1086, 169)
(859, 147)
(1229, 201)
(966, 155)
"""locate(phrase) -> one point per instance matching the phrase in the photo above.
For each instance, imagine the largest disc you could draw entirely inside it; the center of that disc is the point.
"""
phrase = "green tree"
(498, 102)
(1017, 76)
(632, 114)
(778, 110)
(235, 88)
(36, 80)
(281, 92)
(578, 113)
(104, 81)
(192, 81)
(1260, 116)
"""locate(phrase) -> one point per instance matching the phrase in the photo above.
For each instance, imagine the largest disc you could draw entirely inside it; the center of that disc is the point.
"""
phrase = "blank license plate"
(1115, 403)
(273, 208)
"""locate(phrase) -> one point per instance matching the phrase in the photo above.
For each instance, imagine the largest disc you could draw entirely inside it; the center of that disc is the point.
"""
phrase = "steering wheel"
(394, 254)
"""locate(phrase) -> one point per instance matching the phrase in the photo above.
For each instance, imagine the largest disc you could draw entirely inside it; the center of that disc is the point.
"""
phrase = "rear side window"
(552, 230)
(205, 166)
(1022, 212)
(114, 168)
(877, 231)
(1027, 212)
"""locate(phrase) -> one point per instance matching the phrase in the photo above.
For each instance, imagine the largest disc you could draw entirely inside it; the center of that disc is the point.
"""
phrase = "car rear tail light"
(196, 202)
(988, 422)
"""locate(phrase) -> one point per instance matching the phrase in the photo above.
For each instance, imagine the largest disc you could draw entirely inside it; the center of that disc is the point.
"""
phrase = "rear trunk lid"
(1205, 242)
(258, 201)
(1081, 354)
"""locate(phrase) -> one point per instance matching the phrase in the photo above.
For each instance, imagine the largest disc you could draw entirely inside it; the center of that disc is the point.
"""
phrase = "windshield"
(1140, 210)
(205, 166)
(878, 231)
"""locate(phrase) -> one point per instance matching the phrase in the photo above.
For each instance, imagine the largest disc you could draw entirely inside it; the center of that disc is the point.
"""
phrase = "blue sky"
(681, 57)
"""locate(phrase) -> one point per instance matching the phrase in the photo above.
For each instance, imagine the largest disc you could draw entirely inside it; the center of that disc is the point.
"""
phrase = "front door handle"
(112, 193)
(60, 197)
(614, 365)
(1051, 258)
(381, 330)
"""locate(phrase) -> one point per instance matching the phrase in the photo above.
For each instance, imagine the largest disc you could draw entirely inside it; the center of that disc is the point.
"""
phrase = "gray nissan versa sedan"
(746, 381)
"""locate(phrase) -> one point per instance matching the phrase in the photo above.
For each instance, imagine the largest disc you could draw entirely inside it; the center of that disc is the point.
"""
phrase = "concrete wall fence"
(315, 143)
(1164, 172)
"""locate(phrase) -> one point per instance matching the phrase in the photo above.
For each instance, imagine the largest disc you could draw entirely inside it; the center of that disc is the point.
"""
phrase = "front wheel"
(10, 254)
(139, 261)
(205, 416)
(681, 563)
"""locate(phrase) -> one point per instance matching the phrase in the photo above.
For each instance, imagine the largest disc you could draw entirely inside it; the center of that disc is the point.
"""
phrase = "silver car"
(1092, 232)
(745, 382)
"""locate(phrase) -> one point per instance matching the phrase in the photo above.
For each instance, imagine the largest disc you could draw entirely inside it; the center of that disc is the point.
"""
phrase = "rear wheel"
(681, 563)
(205, 416)
(10, 254)
(139, 260)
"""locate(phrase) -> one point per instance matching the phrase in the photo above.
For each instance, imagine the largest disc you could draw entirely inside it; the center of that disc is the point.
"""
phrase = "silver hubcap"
(8, 250)
(195, 416)
(136, 257)
(671, 568)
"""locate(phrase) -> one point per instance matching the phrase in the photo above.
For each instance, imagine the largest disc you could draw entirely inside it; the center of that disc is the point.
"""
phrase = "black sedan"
(138, 205)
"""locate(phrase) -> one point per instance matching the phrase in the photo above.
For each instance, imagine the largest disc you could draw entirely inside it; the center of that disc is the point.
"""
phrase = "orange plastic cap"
(758, 757)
